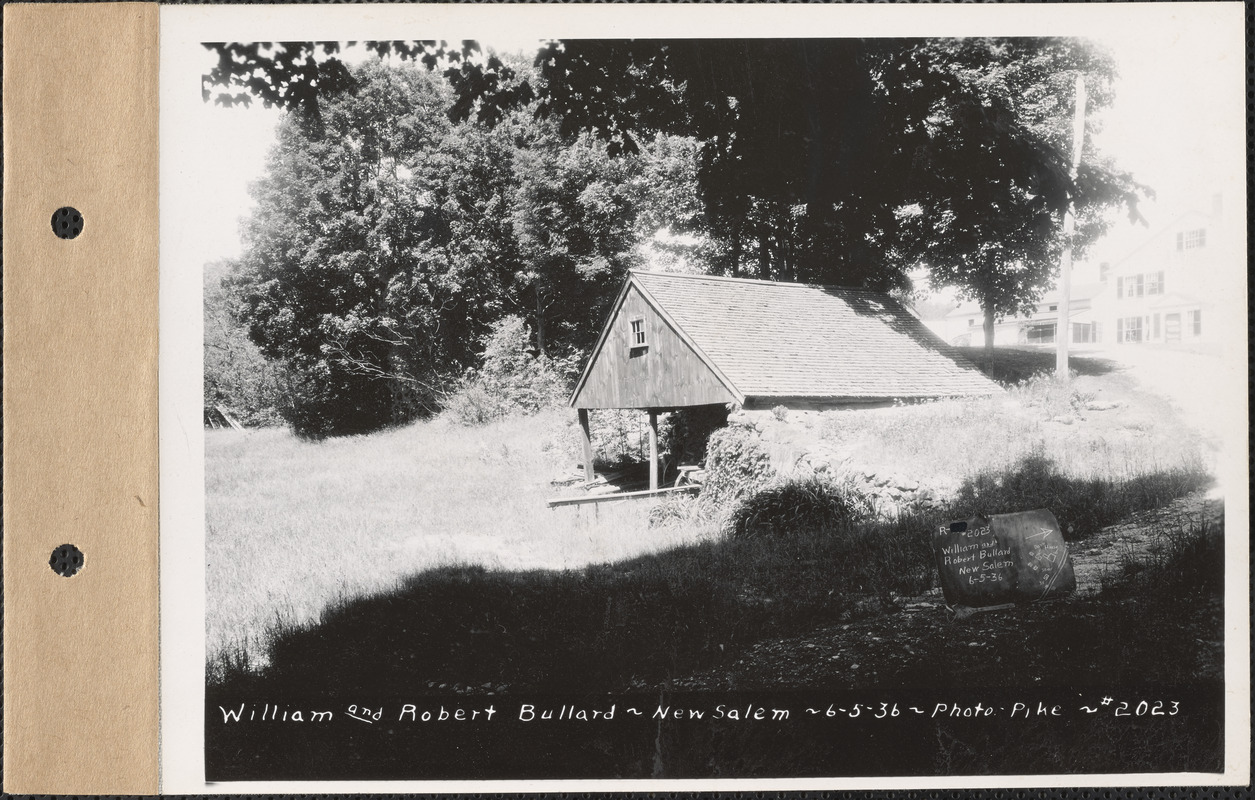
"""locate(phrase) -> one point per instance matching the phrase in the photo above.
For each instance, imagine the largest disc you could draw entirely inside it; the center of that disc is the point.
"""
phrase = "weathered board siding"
(665, 374)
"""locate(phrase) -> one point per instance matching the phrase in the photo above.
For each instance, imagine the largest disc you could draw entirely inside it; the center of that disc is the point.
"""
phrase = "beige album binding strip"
(80, 398)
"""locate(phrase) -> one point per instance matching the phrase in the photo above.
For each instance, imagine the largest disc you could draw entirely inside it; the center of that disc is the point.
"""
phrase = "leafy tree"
(838, 160)
(297, 75)
(583, 218)
(388, 243)
(573, 220)
(237, 377)
(990, 139)
(377, 253)
(787, 174)
(852, 161)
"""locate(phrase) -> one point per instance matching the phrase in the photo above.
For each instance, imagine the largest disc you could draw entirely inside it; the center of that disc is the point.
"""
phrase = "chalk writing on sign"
(1004, 558)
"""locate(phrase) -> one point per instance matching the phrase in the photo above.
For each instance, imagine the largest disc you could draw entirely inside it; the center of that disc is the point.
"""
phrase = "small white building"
(964, 325)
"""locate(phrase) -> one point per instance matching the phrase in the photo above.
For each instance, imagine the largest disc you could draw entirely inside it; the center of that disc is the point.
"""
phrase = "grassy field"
(299, 533)
(947, 441)
(294, 527)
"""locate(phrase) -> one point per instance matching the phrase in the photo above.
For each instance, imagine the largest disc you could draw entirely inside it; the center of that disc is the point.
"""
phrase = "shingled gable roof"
(769, 339)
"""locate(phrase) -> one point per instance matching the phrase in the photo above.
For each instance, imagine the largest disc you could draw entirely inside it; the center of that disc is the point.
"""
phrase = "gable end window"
(637, 337)
(1192, 240)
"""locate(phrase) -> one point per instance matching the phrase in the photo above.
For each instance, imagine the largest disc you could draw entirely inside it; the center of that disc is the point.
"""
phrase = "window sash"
(636, 336)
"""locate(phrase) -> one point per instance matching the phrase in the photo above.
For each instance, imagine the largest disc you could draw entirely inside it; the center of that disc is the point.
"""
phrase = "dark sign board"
(1003, 558)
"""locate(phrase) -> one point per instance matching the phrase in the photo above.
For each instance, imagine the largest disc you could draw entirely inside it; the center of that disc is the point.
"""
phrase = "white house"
(1165, 289)
(1162, 290)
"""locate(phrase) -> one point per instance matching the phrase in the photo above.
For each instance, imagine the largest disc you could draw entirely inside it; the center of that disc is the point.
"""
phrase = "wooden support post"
(587, 438)
(653, 450)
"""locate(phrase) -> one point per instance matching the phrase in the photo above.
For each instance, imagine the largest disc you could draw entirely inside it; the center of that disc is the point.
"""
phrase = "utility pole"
(1063, 328)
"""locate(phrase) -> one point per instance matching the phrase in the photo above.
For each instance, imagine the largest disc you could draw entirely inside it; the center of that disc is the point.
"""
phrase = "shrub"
(1083, 506)
(678, 509)
(736, 465)
(237, 376)
(325, 401)
(1053, 396)
(620, 436)
(473, 404)
(799, 505)
(510, 381)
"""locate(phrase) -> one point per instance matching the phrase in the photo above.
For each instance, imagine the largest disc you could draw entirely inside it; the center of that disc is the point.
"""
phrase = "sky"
(1171, 112)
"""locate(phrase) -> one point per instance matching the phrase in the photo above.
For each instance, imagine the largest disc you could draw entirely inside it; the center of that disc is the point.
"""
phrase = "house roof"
(769, 339)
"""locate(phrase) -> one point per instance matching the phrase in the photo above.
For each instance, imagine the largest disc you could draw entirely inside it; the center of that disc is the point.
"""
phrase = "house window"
(1129, 329)
(1134, 285)
(638, 333)
(1041, 334)
(971, 322)
(1196, 322)
(1082, 333)
(1192, 240)
(1053, 308)
(1154, 283)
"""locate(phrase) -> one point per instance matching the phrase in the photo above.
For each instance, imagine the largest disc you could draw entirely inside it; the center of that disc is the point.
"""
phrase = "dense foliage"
(809, 505)
(388, 242)
(238, 379)
(393, 230)
(510, 380)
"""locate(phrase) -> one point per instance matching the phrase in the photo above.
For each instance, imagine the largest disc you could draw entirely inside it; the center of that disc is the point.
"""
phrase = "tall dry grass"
(948, 441)
(294, 527)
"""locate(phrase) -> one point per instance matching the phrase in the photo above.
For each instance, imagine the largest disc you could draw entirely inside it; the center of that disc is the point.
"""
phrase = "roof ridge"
(759, 281)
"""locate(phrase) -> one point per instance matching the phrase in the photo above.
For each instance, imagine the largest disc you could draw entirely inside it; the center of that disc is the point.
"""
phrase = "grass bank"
(634, 623)
(1099, 425)
(295, 527)
(431, 548)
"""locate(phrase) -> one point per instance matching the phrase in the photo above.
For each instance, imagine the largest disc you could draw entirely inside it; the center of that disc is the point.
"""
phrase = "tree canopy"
(377, 253)
(388, 242)
(809, 147)
(392, 232)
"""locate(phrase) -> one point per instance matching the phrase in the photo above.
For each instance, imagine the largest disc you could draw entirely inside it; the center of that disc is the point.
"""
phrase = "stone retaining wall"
(795, 447)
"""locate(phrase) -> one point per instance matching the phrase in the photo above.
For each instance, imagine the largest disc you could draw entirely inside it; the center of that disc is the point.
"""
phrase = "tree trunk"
(540, 325)
(764, 258)
(988, 327)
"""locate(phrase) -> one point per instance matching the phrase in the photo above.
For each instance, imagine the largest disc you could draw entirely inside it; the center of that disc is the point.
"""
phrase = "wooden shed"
(672, 341)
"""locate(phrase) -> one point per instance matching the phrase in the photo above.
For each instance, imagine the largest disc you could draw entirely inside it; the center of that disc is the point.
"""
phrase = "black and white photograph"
(842, 400)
